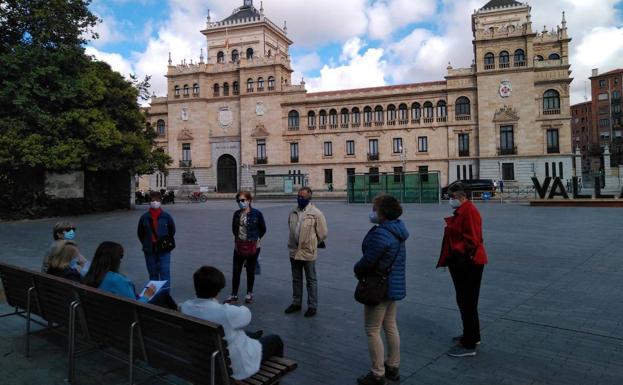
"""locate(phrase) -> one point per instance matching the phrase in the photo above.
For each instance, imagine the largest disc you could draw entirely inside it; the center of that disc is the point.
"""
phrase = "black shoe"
(310, 312)
(256, 335)
(371, 379)
(292, 308)
(392, 373)
(457, 340)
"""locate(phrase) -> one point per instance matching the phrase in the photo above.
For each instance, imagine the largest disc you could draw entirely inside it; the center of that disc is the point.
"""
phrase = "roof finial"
(209, 17)
(170, 61)
(201, 56)
(261, 7)
(285, 26)
(564, 20)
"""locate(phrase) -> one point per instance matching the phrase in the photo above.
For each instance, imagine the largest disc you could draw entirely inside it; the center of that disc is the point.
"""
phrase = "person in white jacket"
(246, 353)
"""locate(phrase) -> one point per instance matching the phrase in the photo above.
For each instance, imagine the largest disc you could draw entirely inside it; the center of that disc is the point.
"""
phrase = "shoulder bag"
(163, 244)
(372, 288)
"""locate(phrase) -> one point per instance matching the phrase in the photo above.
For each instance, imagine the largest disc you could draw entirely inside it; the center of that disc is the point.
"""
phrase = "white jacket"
(245, 352)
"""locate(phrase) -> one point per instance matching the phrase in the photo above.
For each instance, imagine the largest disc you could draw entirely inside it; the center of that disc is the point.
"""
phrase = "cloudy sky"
(342, 44)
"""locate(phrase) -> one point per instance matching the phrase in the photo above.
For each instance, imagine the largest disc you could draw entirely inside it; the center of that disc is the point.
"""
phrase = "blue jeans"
(159, 267)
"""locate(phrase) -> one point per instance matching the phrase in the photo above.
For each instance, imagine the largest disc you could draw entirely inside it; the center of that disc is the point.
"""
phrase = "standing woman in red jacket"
(463, 252)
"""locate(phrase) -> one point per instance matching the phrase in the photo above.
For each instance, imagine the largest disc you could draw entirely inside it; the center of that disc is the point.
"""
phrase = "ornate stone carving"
(185, 135)
(259, 131)
(505, 114)
(225, 117)
(260, 109)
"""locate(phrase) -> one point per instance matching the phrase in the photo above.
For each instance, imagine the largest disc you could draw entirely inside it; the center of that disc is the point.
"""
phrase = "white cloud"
(116, 61)
(387, 16)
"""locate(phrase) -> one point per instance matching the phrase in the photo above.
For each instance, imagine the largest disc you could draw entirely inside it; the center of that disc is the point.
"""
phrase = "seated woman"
(245, 353)
(64, 231)
(104, 273)
(60, 262)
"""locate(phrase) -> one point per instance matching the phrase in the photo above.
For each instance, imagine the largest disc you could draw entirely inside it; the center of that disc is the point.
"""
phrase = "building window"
(423, 171)
(186, 90)
(220, 57)
(539, 58)
(261, 151)
(602, 96)
(602, 83)
(462, 107)
(271, 83)
(293, 120)
(235, 56)
(373, 149)
(429, 111)
(216, 89)
(249, 53)
(294, 152)
(504, 59)
(261, 178)
(236, 88)
(328, 176)
(551, 102)
(391, 113)
(508, 171)
(552, 142)
(554, 56)
(249, 85)
(311, 119)
(507, 140)
(344, 117)
(520, 58)
(403, 113)
(176, 90)
(367, 116)
(186, 152)
(322, 119)
(161, 127)
(397, 174)
(489, 61)
(328, 148)
(260, 84)
(463, 144)
(616, 95)
(356, 116)
(350, 175)
(225, 89)
(416, 112)
(195, 89)
(422, 144)
(442, 109)
(604, 123)
(397, 145)
(616, 108)
(350, 147)
(333, 118)
(378, 115)
(374, 175)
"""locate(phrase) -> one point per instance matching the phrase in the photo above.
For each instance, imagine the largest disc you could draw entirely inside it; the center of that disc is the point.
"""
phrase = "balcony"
(356, 125)
(216, 94)
(367, 124)
(186, 163)
(379, 124)
(263, 160)
(553, 150)
(552, 112)
(429, 120)
(260, 89)
(391, 123)
(294, 159)
(505, 65)
(311, 126)
(403, 122)
(373, 157)
(463, 153)
(293, 128)
(507, 151)
(489, 67)
(333, 126)
(271, 88)
(236, 92)
(322, 126)
(249, 90)
(415, 121)
(344, 125)
(225, 93)
(442, 119)
(463, 117)
(520, 64)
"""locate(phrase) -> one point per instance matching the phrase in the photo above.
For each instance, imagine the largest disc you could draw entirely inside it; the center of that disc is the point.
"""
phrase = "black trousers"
(466, 279)
(272, 345)
(239, 262)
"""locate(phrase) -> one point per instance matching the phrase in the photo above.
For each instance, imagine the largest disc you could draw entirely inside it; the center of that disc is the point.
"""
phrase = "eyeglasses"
(69, 229)
(240, 200)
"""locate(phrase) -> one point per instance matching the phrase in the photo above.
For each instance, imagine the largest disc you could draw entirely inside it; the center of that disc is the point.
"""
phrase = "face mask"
(242, 205)
(69, 235)
(302, 202)
(155, 205)
(455, 203)
(374, 218)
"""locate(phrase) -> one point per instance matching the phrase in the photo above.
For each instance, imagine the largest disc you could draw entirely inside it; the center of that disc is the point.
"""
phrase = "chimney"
(595, 72)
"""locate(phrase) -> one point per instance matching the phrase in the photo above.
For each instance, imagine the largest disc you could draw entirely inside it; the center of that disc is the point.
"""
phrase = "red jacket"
(463, 235)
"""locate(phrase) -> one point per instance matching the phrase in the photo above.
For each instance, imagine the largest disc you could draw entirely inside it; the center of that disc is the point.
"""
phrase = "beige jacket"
(313, 231)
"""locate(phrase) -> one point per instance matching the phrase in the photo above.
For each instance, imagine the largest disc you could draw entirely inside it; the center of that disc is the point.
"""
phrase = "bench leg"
(28, 305)
(71, 342)
(213, 368)
(16, 312)
(131, 358)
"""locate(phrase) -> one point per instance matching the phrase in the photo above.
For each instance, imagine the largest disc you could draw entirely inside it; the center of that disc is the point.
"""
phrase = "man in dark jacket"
(154, 227)
(464, 253)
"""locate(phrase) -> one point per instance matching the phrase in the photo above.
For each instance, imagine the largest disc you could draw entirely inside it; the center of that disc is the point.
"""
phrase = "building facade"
(236, 113)
(583, 134)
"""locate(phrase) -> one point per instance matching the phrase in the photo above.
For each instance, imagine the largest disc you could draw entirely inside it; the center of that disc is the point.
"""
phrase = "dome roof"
(493, 4)
(247, 11)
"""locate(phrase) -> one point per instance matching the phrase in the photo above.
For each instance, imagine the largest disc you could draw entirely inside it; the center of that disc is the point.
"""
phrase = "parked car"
(472, 185)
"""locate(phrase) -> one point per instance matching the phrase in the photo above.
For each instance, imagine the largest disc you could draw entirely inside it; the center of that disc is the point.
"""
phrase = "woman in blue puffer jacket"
(384, 244)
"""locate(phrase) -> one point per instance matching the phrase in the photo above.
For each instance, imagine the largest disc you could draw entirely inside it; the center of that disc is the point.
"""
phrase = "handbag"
(372, 288)
(246, 248)
(163, 244)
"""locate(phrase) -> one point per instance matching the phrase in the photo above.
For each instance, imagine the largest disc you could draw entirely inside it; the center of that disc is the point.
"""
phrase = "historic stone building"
(236, 113)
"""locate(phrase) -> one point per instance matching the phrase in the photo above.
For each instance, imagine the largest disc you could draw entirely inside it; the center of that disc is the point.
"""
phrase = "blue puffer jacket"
(380, 247)
(166, 226)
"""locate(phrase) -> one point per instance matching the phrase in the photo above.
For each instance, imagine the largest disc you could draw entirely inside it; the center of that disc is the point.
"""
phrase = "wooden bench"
(189, 348)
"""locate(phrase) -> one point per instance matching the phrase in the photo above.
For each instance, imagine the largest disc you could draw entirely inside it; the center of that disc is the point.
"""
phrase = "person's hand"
(150, 291)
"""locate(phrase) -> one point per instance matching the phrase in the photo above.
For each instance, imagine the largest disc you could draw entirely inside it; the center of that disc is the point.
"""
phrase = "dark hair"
(155, 194)
(107, 258)
(309, 191)
(457, 188)
(387, 207)
(209, 281)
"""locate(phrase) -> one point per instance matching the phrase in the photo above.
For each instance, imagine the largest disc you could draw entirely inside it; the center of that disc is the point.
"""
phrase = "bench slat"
(290, 364)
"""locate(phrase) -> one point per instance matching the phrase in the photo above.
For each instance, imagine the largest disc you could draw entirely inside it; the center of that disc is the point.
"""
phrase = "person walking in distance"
(156, 231)
(463, 252)
(248, 228)
(308, 229)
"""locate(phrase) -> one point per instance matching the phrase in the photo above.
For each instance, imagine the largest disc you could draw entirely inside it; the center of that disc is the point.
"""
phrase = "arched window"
(271, 83)
(367, 115)
(216, 89)
(225, 89)
(344, 115)
(520, 58)
(403, 112)
(333, 118)
(293, 120)
(249, 53)
(260, 84)
(539, 58)
(378, 115)
(442, 109)
(311, 119)
(235, 56)
(196, 89)
(236, 88)
(176, 90)
(554, 56)
(322, 119)
(489, 61)
(462, 107)
(186, 90)
(551, 101)
(249, 85)
(429, 110)
(356, 116)
(160, 126)
(504, 59)
(391, 113)
(416, 111)
(220, 57)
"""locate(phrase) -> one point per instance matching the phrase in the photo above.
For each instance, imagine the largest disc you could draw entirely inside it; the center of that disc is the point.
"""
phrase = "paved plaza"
(551, 301)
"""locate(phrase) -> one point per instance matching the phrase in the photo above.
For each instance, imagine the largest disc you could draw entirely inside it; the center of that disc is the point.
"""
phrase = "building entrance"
(227, 176)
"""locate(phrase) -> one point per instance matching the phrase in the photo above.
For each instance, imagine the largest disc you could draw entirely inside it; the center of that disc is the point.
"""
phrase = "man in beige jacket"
(308, 229)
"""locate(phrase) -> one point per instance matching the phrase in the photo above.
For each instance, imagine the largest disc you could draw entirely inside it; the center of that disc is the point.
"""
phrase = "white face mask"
(155, 205)
(455, 203)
